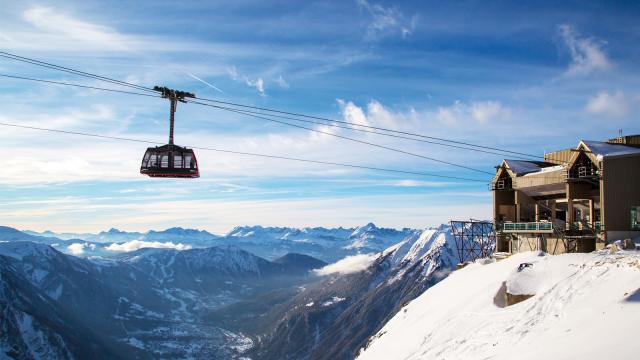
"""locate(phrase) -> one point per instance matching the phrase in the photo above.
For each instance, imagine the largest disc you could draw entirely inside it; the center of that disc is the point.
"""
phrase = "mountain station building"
(576, 200)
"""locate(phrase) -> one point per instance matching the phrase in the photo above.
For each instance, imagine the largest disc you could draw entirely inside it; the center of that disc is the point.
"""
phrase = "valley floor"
(585, 306)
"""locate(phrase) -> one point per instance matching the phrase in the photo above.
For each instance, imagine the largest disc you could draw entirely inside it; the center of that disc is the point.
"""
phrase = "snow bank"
(528, 277)
(584, 305)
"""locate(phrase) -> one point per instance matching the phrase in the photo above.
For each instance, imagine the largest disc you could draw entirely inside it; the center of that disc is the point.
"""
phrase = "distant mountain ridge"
(328, 244)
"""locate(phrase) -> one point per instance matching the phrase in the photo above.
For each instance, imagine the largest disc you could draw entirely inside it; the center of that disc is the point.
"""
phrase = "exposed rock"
(628, 244)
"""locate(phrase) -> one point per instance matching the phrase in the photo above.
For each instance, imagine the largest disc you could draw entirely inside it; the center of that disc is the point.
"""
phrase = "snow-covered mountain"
(332, 319)
(327, 244)
(267, 242)
(218, 302)
(144, 304)
(578, 306)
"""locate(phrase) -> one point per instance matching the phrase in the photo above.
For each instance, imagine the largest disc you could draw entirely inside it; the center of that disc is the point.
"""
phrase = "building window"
(635, 217)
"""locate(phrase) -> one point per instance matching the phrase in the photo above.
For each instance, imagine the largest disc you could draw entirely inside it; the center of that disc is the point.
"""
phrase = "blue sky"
(519, 75)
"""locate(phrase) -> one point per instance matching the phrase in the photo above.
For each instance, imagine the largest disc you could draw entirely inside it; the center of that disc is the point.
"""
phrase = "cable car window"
(177, 161)
(188, 161)
(153, 160)
(164, 161)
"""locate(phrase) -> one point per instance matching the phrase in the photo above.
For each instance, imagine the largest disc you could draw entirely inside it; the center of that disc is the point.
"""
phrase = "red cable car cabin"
(170, 161)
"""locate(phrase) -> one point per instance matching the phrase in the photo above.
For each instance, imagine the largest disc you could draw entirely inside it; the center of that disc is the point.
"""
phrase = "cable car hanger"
(170, 161)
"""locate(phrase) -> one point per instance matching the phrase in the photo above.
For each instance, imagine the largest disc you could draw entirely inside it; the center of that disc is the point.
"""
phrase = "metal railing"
(586, 226)
(528, 226)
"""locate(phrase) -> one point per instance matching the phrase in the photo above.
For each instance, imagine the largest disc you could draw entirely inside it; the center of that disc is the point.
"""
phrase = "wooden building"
(576, 200)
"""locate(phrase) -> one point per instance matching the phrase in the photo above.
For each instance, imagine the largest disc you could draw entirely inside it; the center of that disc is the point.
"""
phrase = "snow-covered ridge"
(582, 305)
(328, 244)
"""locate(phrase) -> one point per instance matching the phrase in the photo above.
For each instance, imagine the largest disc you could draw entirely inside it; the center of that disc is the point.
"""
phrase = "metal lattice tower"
(474, 239)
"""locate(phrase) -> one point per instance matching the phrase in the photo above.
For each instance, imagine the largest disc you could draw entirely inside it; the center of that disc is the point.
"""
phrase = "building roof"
(604, 149)
(521, 167)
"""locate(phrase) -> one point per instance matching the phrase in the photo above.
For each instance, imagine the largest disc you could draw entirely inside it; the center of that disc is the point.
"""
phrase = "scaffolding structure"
(474, 239)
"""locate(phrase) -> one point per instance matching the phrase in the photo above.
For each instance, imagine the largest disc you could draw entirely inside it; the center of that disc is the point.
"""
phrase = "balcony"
(528, 227)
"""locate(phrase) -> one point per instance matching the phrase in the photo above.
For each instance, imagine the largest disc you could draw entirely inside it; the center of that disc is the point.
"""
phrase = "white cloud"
(47, 19)
(480, 111)
(376, 115)
(382, 117)
(139, 244)
(352, 113)
(258, 83)
(348, 265)
(610, 105)
(587, 54)
(386, 21)
(449, 115)
(79, 248)
(486, 110)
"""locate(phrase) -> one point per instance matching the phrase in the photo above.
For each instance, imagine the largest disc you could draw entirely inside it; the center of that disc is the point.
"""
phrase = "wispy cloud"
(481, 112)
(386, 21)
(54, 22)
(257, 83)
(348, 265)
(587, 54)
(610, 105)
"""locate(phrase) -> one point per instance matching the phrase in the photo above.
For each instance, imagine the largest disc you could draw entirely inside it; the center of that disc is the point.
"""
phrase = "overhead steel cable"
(268, 119)
(361, 130)
(320, 162)
(139, 87)
(351, 139)
(369, 127)
(258, 113)
(7, 55)
(77, 85)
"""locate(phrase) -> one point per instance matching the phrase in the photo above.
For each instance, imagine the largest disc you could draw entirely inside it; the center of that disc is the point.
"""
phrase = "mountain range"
(268, 242)
(216, 302)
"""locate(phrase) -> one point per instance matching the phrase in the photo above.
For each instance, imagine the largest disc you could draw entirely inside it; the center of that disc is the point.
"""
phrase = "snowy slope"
(585, 306)
(333, 318)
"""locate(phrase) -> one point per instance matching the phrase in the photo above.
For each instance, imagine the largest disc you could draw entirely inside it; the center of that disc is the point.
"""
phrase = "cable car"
(170, 160)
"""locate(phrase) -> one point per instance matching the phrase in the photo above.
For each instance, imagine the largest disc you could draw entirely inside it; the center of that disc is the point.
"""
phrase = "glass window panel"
(164, 161)
(153, 160)
(177, 161)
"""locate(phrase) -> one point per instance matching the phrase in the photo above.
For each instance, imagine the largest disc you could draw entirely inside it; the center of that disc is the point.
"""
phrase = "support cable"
(139, 87)
(352, 139)
(320, 162)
